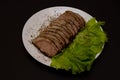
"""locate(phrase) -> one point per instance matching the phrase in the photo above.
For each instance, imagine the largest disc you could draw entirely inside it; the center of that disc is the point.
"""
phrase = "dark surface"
(17, 64)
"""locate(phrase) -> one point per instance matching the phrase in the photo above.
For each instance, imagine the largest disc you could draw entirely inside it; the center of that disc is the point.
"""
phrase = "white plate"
(39, 20)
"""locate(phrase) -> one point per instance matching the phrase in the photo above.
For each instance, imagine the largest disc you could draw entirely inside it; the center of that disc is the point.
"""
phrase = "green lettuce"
(80, 54)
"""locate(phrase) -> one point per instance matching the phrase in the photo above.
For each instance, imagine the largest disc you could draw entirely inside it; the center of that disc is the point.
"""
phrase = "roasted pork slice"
(52, 38)
(66, 33)
(71, 29)
(73, 26)
(59, 35)
(46, 46)
(67, 17)
(57, 31)
(81, 20)
(65, 27)
(60, 22)
(56, 35)
(77, 21)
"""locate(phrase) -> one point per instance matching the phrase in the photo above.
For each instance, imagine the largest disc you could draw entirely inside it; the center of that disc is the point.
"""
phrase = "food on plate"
(71, 42)
(59, 33)
(80, 54)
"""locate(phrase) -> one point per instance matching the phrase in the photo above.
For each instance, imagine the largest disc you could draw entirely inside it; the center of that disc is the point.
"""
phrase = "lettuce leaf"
(80, 54)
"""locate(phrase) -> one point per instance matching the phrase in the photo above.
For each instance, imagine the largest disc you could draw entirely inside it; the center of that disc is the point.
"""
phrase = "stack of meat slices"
(59, 33)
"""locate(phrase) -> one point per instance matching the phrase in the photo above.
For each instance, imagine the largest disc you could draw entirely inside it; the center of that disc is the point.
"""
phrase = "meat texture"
(59, 33)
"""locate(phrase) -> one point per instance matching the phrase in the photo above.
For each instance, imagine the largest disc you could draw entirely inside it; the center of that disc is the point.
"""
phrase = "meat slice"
(60, 21)
(67, 17)
(57, 34)
(62, 42)
(75, 17)
(46, 46)
(81, 20)
(62, 30)
(57, 31)
(52, 38)
(65, 27)
(71, 29)
(73, 26)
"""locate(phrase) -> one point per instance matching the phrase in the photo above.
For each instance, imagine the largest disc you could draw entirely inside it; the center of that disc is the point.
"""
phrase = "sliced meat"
(53, 38)
(77, 17)
(62, 30)
(73, 26)
(60, 33)
(81, 19)
(46, 46)
(60, 22)
(56, 35)
(65, 27)
(68, 16)
(71, 29)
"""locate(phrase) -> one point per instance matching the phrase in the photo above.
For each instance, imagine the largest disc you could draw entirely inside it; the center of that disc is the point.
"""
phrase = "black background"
(17, 64)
